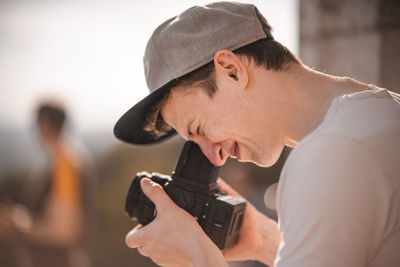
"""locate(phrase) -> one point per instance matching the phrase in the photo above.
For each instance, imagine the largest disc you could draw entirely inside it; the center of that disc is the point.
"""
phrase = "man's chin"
(262, 160)
(258, 162)
(267, 162)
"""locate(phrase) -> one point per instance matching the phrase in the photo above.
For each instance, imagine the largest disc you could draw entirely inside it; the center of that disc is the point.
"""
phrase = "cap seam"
(257, 14)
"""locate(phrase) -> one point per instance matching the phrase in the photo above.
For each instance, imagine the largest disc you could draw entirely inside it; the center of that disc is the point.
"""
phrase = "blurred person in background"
(49, 229)
(218, 78)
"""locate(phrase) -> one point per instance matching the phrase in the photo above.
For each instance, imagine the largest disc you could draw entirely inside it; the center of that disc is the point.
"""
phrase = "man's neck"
(305, 97)
(56, 146)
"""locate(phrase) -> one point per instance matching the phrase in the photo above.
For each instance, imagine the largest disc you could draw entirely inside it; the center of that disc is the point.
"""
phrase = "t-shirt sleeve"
(329, 205)
(66, 186)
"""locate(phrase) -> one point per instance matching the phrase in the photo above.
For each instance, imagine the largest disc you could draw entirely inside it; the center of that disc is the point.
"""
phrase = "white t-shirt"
(339, 192)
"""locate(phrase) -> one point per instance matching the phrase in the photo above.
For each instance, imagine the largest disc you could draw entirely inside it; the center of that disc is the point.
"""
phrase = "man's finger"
(135, 238)
(156, 194)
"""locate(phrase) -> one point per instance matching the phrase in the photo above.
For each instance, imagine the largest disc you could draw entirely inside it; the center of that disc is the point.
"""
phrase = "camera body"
(192, 187)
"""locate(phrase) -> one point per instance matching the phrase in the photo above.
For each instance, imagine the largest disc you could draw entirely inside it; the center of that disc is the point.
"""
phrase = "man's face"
(232, 123)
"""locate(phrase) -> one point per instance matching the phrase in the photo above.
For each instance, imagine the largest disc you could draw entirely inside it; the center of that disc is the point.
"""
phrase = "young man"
(218, 78)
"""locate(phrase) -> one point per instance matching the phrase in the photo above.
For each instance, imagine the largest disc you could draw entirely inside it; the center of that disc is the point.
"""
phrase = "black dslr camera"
(192, 187)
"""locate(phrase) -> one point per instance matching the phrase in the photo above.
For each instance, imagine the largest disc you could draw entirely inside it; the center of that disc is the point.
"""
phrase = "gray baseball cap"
(183, 44)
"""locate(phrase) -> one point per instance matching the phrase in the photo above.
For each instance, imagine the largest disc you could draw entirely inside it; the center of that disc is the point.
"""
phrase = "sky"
(88, 54)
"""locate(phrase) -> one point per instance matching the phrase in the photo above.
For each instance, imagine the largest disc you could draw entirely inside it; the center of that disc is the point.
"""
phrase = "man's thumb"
(155, 193)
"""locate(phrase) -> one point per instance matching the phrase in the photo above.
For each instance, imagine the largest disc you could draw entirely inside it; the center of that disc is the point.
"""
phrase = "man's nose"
(214, 152)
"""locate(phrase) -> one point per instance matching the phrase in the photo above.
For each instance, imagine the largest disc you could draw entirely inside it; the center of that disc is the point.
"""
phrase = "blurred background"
(87, 55)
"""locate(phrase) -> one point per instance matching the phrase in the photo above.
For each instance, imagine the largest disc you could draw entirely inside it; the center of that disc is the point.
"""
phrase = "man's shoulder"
(339, 188)
(357, 128)
(328, 164)
(364, 116)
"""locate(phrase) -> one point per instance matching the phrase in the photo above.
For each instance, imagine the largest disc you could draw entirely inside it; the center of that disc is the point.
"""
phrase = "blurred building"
(354, 38)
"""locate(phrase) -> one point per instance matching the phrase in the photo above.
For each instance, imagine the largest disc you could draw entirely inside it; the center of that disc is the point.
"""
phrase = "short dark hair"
(53, 115)
(267, 53)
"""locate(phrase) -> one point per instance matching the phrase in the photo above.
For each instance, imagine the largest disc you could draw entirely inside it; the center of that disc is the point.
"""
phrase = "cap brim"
(130, 127)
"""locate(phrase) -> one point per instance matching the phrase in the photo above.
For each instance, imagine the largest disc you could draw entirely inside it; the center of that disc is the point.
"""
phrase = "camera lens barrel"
(137, 205)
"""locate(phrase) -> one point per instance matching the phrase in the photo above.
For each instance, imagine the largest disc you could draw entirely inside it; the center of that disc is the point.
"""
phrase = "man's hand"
(15, 220)
(173, 238)
(259, 236)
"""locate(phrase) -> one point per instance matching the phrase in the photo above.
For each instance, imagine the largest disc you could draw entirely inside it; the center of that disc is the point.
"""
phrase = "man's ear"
(230, 66)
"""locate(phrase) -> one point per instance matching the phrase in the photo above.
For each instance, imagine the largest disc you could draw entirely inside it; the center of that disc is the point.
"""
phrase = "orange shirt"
(66, 184)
